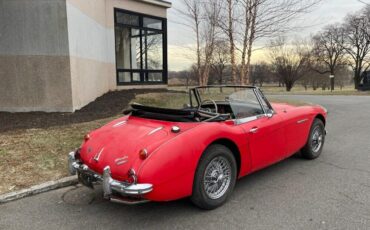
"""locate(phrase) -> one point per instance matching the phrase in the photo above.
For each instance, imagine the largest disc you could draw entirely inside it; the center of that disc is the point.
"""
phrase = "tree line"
(227, 31)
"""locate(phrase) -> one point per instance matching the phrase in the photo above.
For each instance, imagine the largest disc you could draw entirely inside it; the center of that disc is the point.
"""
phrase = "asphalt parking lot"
(332, 192)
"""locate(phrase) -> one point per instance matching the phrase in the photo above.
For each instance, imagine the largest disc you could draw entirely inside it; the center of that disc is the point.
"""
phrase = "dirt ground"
(108, 105)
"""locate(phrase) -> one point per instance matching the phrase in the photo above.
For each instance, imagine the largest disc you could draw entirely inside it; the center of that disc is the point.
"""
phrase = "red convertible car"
(199, 151)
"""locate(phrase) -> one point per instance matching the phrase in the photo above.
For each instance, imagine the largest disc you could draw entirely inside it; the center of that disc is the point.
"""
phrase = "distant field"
(299, 90)
(347, 90)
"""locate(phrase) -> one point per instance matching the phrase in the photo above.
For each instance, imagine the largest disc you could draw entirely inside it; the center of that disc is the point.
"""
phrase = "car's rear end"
(113, 155)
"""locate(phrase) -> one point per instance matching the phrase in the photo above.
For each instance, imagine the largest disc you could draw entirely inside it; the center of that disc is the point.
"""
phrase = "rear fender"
(171, 168)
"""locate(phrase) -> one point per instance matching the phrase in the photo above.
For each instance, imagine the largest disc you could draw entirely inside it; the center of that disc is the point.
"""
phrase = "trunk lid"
(118, 143)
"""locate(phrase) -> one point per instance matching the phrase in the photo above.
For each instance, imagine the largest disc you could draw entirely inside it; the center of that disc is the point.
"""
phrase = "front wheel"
(215, 177)
(315, 142)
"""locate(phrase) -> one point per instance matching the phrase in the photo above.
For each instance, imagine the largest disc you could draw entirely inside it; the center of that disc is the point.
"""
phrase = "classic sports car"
(199, 151)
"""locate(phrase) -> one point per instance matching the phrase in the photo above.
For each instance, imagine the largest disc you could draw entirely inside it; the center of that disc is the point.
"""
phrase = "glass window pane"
(154, 51)
(128, 48)
(124, 77)
(155, 77)
(139, 48)
(122, 46)
(135, 49)
(127, 19)
(152, 23)
(135, 76)
(244, 103)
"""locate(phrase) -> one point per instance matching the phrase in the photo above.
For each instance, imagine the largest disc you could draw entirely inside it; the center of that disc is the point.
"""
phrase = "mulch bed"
(108, 105)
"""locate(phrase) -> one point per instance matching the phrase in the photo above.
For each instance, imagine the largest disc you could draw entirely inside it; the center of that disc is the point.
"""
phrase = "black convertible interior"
(208, 111)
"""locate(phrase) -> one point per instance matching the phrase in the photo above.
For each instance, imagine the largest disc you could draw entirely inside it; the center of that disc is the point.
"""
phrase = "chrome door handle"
(253, 130)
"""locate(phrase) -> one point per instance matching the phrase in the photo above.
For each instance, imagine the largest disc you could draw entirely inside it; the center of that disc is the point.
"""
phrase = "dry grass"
(33, 156)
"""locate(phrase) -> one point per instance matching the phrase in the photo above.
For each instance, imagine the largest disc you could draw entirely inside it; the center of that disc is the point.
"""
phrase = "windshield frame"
(257, 91)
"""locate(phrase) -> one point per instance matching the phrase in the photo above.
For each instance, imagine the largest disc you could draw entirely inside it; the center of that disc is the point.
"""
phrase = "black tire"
(214, 153)
(310, 150)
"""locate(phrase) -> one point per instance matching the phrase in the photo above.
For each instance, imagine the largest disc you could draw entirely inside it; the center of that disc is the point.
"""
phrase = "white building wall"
(92, 57)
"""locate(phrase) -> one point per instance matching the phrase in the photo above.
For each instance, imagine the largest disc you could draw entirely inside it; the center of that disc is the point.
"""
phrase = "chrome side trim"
(155, 130)
(302, 121)
(245, 120)
(119, 124)
(248, 119)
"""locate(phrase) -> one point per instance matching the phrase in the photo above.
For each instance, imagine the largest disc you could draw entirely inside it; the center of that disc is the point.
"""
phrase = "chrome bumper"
(87, 177)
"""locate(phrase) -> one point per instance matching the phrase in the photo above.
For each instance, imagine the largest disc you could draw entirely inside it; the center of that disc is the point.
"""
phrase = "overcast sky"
(180, 37)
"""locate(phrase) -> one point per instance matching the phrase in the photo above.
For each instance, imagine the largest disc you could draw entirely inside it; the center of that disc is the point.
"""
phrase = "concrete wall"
(91, 45)
(58, 55)
(34, 56)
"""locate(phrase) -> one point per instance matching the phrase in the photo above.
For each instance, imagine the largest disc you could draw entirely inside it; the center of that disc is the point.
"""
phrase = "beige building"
(59, 55)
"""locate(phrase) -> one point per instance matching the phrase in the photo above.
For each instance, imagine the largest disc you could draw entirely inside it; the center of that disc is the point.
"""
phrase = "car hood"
(118, 143)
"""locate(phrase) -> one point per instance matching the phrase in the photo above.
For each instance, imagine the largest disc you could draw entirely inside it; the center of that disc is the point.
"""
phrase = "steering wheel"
(208, 100)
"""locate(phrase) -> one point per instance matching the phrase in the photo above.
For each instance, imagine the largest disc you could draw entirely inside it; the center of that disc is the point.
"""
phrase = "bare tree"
(231, 36)
(203, 18)
(260, 73)
(290, 61)
(220, 60)
(210, 36)
(265, 19)
(328, 50)
(248, 34)
(315, 75)
(193, 16)
(357, 42)
(227, 24)
(366, 3)
(343, 76)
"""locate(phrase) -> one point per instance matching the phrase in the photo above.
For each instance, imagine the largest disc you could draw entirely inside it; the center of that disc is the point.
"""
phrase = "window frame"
(144, 72)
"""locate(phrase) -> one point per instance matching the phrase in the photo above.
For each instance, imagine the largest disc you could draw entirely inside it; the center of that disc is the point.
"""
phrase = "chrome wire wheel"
(217, 177)
(317, 139)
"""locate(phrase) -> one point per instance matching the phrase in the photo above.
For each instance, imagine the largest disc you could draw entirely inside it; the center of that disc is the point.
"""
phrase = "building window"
(141, 48)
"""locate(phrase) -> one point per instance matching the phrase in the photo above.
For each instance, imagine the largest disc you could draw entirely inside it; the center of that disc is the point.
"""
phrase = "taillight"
(87, 137)
(143, 154)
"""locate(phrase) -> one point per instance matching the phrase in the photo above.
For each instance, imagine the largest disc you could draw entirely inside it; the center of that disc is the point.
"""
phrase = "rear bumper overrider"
(128, 193)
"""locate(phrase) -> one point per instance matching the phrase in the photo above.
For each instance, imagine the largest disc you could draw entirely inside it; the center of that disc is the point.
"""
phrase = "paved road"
(332, 192)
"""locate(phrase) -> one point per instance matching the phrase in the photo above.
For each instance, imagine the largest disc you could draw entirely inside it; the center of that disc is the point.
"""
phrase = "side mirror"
(270, 113)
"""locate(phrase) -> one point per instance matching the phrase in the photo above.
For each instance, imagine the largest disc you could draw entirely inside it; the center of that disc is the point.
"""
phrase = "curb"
(37, 189)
